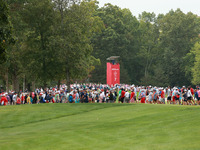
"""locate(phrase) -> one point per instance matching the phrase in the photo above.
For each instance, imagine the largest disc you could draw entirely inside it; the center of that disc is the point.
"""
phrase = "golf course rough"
(99, 126)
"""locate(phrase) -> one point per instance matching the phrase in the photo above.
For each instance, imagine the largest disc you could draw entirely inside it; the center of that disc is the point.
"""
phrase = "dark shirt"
(82, 94)
(86, 98)
(10, 97)
(111, 96)
(35, 99)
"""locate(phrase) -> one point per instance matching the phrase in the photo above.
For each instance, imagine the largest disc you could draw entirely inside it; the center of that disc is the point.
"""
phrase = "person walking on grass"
(111, 97)
(198, 98)
(4, 100)
(14, 98)
(174, 96)
(77, 97)
(28, 99)
(86, 97)
(62, 97)
(107, 96)
(189, 96)
(150, 97)
(122, 96)
(35, 98)
(162, 96)
(184, 97)
(18, 100)
(57, 97)
(143, 96)
(8, 98)
(177, 96)
(155, 96)
(169, 95)
(101, 97)
(127, 97)
(132, 96)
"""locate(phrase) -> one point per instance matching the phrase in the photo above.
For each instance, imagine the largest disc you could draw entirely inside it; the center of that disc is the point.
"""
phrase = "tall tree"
(39, 17)
(61, 7)
(6, 41)
(179, 32)
(118, 39)
(193, 64)
(78, 23)
(5, 29)
(148, 51)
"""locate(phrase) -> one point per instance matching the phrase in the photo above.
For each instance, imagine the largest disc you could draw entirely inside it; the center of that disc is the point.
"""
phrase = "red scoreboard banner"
(113, 74)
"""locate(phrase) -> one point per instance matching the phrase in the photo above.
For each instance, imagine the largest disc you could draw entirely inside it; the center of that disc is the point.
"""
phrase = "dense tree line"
(157, 50)
(46, 42)
(52, 42)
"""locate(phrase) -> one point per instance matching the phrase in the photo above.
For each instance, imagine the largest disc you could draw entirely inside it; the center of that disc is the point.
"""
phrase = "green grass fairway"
(99, 126)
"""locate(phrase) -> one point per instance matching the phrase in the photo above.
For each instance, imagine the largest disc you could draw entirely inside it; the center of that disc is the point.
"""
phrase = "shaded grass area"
(99, 126)
(12, 116)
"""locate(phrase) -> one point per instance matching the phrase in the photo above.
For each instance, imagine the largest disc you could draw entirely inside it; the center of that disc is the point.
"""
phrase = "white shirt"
(77, 96)
(127, 94)
(168, 92)
(189, 94)
(15, 97)
(102, 95)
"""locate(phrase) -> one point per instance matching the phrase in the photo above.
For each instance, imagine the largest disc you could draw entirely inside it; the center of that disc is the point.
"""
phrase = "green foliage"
(179, 32)
(67, 39)
(78, 23)
(5, 30)
(196, 68)
(148, 50)
(115, 40)
(38, 15)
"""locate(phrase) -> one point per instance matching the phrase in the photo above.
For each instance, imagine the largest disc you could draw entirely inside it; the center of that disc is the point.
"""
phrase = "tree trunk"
(58, 84)
(29, 87)
(43, 47)
(15, 83)
(6, 78)
(68, 80)
(15, 80)
(24, 83)
(33, 86)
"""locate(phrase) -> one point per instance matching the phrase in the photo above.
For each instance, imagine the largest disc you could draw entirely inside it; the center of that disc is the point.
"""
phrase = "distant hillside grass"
(99, 126)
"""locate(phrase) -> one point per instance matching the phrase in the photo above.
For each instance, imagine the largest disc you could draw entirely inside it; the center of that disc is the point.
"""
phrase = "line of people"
(94, 93)
(154, 95)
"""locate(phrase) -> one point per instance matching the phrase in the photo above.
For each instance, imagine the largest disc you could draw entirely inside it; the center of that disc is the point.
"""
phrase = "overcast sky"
(156, 6)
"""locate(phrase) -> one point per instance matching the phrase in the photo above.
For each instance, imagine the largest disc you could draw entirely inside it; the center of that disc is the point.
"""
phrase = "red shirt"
(74, 96)
(162, 94)
(132, 94)
(22, 98)
(4, 99)
(18, 101)
(192, 91)
(33, 94)
(123, 94)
